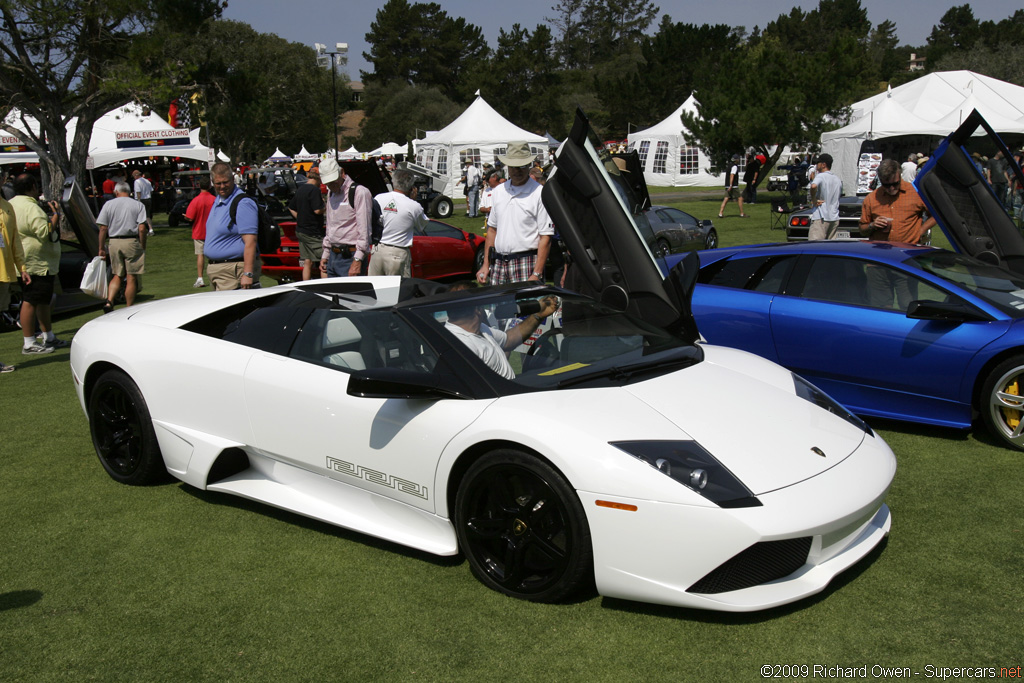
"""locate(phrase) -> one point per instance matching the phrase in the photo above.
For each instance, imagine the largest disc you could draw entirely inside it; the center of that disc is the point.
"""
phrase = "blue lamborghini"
(891, 330)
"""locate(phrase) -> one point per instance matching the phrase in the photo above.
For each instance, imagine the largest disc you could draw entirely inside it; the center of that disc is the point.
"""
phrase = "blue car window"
(863, 283)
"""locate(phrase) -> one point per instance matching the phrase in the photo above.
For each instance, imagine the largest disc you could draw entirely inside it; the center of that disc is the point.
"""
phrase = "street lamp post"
(342, 50)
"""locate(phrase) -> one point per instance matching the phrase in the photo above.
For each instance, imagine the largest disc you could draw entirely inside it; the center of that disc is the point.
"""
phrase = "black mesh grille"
(757, 564)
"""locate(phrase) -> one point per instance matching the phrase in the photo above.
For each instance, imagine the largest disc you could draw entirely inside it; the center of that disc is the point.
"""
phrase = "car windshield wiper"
(625, 372)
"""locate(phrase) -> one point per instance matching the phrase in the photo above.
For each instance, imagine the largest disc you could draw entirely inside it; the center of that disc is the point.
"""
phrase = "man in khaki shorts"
(123, 221)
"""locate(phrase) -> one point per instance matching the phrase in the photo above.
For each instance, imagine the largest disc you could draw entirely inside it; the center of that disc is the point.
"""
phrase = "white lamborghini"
(624, 453)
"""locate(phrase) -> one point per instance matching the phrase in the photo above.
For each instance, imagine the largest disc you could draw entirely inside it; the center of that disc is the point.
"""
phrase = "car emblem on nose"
(519, 527)
(817, 450)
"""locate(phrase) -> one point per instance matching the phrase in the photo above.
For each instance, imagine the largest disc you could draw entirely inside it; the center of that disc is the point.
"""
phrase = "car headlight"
(809, 392)
(688, 463)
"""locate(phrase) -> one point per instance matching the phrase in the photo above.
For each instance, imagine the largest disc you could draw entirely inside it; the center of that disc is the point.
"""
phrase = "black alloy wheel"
(663, 248)
(122, 431)
(712, 240)
(522, 528)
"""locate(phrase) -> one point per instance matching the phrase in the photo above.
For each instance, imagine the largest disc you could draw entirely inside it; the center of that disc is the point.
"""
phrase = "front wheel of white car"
(122, 431)
(522, 528)
(1002, 397)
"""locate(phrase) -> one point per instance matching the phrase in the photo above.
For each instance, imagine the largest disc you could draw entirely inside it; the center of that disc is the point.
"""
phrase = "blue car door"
(848, 333)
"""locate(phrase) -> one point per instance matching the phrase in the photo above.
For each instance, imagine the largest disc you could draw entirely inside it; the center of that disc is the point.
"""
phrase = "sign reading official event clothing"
(151, 138)
(12, 145)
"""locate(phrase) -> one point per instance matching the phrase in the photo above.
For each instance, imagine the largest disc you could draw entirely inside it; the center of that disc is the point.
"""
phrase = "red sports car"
(438, 252)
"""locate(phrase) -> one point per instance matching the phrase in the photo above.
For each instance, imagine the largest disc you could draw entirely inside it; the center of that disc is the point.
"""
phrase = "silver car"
(678, 231)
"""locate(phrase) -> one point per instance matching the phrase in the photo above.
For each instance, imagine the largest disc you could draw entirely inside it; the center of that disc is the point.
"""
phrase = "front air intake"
(760, 563)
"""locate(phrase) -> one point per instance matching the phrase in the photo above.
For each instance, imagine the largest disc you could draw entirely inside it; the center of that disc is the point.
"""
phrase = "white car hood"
(745, 412)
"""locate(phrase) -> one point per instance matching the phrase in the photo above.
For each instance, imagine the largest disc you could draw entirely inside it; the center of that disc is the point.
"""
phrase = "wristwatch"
(249, 275)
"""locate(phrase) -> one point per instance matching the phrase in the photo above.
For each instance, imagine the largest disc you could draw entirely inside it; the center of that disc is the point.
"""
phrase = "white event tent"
(479, 134)
(667, 158)
(914, 116)
(127, 132)
(278, 157)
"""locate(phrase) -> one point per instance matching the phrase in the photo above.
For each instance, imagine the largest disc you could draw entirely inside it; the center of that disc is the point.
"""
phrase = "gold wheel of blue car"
(1003, 393)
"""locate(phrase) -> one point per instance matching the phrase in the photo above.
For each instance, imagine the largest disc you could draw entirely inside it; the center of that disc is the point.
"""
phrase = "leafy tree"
(783, 84)
(421, 45)
(522, 78)
(396, 110)
(262, 91)
(590, 32)
(1003, 61)
(63, 59)
(883, 50)
(958, 29)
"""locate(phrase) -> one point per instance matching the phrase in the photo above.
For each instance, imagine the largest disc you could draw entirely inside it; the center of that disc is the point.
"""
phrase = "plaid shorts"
(515, 270)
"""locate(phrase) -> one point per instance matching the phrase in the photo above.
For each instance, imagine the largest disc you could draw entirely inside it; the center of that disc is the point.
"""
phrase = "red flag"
(172, 114)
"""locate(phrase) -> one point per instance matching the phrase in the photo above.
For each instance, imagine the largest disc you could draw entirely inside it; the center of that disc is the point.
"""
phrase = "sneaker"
(4, 369)
(199, 282)
(36, 349)
(55, 344)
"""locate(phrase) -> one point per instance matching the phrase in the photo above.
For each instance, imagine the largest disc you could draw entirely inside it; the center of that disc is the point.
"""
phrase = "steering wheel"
(543, 353)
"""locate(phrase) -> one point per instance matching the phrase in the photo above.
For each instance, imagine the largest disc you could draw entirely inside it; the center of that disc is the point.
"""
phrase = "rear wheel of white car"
(122, 431)
(522, 528)
(1003, 401)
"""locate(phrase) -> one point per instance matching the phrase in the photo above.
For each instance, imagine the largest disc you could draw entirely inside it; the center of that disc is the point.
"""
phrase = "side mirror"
(947, 311)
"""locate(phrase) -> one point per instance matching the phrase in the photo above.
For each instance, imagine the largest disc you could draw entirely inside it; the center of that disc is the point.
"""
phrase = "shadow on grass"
(228, 500)
(18, 599)
(743, 618)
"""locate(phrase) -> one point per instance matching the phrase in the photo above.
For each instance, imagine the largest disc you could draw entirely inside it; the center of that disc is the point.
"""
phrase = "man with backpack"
(231, 245)
(349, 215)
(401, 214)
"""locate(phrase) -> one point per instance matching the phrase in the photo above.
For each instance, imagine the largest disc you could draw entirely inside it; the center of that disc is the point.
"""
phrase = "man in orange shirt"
(894, 212)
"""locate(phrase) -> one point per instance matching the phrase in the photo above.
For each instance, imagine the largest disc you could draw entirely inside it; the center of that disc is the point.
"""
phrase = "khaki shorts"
(199, 246)
(731, 193)
(229, 275)
(126, 256)
(388, 260)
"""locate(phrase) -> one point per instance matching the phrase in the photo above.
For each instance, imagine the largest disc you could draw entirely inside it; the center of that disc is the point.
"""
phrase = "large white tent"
(914, 116)
(479, 134)
(127, 132)
(667, 158)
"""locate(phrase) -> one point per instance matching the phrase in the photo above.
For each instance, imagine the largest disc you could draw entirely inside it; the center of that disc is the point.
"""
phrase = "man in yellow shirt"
(12, 259)
(40, 238)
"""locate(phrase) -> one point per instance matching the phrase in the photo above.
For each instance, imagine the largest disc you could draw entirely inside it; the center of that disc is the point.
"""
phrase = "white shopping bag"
(96, 277)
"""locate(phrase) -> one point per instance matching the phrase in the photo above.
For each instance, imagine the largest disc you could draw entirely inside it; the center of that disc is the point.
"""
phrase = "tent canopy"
(479, 135)
(127, 132)
(667, 158)
(303, 155)
(920, 112)
(388, 149)
(278, 157)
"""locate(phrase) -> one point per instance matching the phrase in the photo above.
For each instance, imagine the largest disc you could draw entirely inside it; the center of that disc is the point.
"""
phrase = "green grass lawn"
(100, 581)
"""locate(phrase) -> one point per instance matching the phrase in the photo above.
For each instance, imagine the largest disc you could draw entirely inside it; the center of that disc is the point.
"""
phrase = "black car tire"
(711, 241)
(122, 431)
(522, 528)
(1000, 407)
(663, 248)
(478, 260)
(441, 207)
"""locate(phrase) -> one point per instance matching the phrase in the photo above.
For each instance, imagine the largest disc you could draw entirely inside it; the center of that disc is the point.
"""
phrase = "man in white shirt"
(825, 193)
(400, 214)
(144, 193)
(909, 168)
(466, 322)
(519, 230)
(491, 180)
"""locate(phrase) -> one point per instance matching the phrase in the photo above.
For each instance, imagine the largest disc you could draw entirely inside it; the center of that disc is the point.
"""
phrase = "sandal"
(108, 307)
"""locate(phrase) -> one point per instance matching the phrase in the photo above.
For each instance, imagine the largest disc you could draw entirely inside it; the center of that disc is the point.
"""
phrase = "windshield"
(996, 285)
(550, 339)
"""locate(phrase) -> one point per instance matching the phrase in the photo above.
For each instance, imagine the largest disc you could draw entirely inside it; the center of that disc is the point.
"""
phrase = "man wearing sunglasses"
(894, 212)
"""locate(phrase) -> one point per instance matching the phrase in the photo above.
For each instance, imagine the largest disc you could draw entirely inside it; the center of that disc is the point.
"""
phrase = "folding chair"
(780, 214)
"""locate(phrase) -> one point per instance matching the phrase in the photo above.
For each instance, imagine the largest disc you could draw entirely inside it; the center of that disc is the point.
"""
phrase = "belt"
(345, 249)
(225, 260)
(514, 255)
(125, 237)
(393, 246)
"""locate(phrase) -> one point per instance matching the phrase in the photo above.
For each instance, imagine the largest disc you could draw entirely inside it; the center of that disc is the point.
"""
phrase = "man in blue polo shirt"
(231, 246)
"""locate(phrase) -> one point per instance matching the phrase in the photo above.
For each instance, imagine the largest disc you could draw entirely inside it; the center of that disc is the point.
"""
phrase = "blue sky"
(348, 21)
